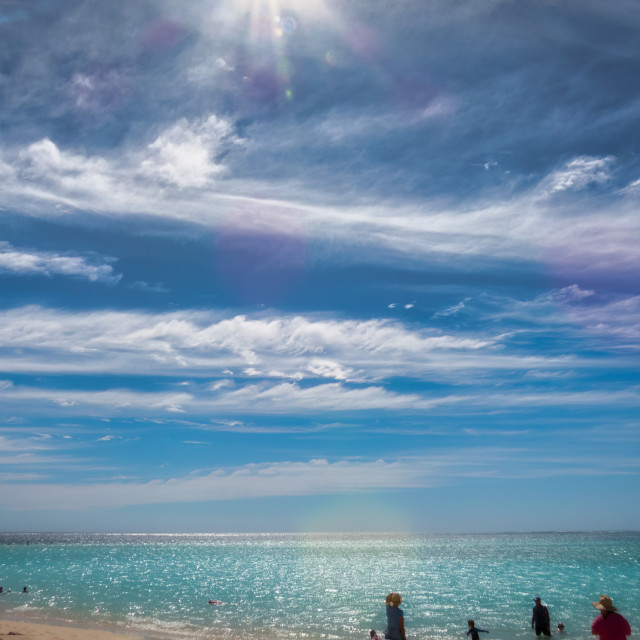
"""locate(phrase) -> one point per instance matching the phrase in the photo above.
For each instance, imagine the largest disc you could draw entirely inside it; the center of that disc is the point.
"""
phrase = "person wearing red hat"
(609, 625)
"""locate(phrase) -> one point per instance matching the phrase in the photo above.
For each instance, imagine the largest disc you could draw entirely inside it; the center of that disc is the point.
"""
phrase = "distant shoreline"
(220, 534)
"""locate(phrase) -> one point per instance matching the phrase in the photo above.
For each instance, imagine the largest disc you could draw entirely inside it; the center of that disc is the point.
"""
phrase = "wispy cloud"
(249, 481)
(141, 285)
(287, 398)
(613, 317)
(32, 457)
(618, 318)
(572, 293)
(24, 444)
(200, 343)
(580, 173)
(21, 477)
(312, 477)
(47, 263)
(317, 348)
(451, 310)
(159, 180)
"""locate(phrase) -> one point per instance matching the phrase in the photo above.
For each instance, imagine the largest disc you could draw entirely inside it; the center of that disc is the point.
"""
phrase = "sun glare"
(279, 17)
(269, 30)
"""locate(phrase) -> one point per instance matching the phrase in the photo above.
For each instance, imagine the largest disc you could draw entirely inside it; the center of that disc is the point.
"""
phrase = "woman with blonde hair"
(395, 618)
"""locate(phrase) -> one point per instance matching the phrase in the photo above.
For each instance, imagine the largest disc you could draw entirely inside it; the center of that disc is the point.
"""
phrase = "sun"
(281, 16)
(267, 32)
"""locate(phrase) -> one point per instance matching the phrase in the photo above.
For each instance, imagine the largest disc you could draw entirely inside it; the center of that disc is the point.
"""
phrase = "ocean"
(312, 586)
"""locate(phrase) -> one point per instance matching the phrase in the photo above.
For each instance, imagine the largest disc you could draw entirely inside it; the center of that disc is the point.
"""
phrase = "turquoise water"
(319, 586)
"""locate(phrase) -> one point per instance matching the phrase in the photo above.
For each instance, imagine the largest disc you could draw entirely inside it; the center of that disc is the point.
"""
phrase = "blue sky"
(296, 265)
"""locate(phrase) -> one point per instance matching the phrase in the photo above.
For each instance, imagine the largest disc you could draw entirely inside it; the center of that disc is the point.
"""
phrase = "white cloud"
(311, 477)
(136, 180)
(572, 293)
(221, 63)
(355, 355)
(63, 402)
(291, 398)
(24, 453)
(184, 155)
(180, 175)
(235, 426)
(47, 263)
(617, 318)
(329, 369)
(20, 477)
(200, 343)
(141, 285)
(23, 444)
(613, 318)
(633, 187)
(440, 107)
(115, 401)
(451, 310)
(265, 397)
(7, 172)
(249, 481)
(44, 159)
(580, 172)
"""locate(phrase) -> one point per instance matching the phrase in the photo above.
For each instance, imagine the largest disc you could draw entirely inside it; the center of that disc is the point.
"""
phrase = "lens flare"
(162, 35)
(260, 267)
(288, 24)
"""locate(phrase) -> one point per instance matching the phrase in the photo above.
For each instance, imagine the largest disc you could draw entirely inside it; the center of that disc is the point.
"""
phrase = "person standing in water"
(609, 625)
(473, 631)
(540, 618)
(395, 618)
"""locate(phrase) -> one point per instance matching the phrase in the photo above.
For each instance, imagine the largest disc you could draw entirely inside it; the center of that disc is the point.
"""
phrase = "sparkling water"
(319, 586)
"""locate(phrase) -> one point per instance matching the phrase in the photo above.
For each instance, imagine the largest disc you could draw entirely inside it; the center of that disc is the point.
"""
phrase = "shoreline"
(17, 627)
(22, 630)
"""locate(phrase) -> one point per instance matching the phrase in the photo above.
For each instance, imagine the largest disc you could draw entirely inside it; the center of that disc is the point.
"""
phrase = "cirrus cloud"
(48, 263)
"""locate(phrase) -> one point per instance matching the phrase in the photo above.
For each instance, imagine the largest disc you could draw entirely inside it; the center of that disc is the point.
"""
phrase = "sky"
(319, 265)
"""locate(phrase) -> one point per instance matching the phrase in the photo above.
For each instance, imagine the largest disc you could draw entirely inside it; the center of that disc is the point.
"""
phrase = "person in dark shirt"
(474, 631)
(395, 618)
(540, 619)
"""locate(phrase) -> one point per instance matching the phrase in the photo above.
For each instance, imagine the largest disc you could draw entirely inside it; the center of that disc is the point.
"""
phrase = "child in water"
(473, 631)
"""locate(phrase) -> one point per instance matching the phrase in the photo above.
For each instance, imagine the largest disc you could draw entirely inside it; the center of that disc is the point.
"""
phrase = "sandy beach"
(10, 629)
